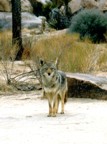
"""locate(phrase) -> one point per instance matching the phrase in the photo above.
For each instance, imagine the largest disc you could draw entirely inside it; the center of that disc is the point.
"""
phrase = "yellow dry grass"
(76, 55)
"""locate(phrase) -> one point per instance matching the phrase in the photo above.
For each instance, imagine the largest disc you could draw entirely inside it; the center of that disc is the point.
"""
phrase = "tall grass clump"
(7, 50)
(7, 55)
(73, 56)
(91, 23)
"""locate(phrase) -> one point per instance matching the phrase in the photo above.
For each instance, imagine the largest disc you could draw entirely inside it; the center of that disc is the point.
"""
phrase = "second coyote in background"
(54, 85)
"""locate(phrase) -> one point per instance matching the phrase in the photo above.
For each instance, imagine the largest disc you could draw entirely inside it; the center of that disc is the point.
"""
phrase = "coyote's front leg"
(62, 103)
(52, 106)
(55, 105)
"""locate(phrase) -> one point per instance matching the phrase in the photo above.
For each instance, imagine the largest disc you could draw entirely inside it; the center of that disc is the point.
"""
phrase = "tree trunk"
(16, 27)
(66, 7)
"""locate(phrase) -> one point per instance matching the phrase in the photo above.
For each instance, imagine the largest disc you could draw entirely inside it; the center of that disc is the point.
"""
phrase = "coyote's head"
(48, 72)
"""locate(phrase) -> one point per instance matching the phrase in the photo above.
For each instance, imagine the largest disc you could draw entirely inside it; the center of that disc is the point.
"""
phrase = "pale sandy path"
(23, 120)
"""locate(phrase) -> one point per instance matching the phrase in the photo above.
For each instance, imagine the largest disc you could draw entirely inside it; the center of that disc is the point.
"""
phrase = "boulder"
(89, 4)
(76, 5)
(5, 6)
(87, 86)
(28, 20)
(26, 6)
(102, 5)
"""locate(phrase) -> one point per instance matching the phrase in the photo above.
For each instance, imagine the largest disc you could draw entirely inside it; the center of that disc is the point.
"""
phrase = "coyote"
(54, 83)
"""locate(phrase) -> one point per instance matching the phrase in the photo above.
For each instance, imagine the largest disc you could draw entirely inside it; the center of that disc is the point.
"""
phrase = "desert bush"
(90, 23)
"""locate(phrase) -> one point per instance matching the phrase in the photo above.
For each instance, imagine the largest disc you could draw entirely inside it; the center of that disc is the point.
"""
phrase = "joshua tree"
(66, 6)
(59, 3)
(16, 27)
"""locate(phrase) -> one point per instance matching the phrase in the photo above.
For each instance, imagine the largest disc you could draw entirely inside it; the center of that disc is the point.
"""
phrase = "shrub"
(90, 23)
(106, 14)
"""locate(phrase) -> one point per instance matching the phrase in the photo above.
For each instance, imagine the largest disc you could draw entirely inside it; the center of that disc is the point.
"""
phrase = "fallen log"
(87, 86)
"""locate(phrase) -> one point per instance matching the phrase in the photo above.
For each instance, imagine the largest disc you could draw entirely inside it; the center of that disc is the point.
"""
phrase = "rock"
(5, 6)
(44, 1)
(76, 5)
(89, 3)
(87, 85)
(103, 5)
(26, 6)
(28, 20)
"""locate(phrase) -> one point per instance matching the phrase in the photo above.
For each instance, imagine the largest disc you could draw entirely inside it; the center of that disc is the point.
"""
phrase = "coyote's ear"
(41, 62)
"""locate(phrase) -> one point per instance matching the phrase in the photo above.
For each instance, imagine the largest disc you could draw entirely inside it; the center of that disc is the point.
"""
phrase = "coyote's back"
(54, 84)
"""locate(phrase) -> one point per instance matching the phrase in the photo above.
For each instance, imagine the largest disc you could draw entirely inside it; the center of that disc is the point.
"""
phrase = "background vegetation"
(91, 23)
(76, 55)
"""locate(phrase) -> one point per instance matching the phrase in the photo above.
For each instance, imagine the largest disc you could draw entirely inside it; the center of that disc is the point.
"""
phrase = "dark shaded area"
(41, 10)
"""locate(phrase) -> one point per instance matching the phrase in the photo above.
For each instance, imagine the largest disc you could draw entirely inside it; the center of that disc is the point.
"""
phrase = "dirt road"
(23, 120)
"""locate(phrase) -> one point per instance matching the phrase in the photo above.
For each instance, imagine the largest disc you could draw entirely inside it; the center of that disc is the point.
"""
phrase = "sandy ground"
(23, 120)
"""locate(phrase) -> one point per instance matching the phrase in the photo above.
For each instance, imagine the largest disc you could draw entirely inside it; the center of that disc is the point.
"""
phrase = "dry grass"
(102, 61)
(7, 51)
(77, 56)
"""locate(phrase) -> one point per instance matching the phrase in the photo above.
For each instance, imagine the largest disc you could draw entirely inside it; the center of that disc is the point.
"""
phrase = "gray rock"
(28, 20)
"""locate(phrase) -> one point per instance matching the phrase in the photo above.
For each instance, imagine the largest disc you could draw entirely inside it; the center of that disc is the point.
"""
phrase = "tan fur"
(54, 84)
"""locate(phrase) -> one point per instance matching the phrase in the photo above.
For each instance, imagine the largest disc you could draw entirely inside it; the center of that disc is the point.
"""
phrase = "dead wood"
(26, 81)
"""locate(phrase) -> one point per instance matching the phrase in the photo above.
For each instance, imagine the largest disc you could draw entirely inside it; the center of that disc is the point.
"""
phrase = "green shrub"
(90, 23)
(106, 14)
